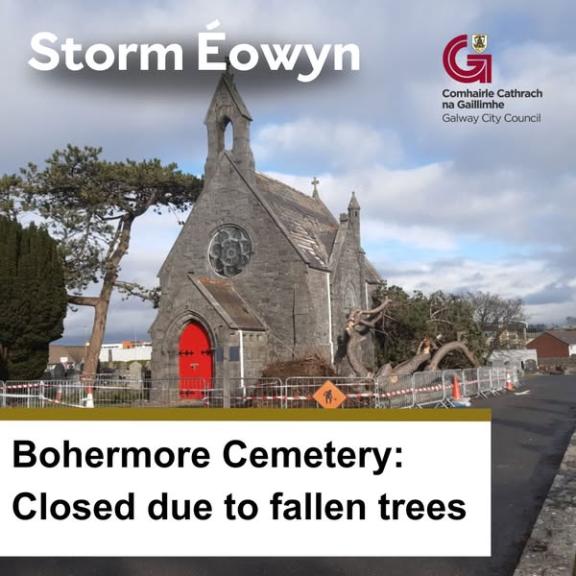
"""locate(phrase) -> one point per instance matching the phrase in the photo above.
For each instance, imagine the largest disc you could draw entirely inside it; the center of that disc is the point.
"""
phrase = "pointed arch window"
(228, 135)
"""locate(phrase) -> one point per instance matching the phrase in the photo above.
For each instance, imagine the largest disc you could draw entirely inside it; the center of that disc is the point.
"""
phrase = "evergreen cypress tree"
(33, 299)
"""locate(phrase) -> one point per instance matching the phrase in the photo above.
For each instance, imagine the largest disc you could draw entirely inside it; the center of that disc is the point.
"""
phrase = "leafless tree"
(496, 316)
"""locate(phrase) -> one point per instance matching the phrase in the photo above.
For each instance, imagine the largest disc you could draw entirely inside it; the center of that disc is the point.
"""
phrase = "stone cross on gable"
(315, 183)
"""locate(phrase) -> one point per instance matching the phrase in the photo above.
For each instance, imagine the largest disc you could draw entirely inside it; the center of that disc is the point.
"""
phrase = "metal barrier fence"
(398, 391)
(429, 389)
(105, 393)
(358, 392)
(420, 390)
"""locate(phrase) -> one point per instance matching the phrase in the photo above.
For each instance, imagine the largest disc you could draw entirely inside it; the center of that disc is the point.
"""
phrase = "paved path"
(530, 434)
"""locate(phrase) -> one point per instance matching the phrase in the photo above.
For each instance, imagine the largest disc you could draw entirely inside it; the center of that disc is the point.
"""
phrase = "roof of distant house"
(73, 353)
(566, 336)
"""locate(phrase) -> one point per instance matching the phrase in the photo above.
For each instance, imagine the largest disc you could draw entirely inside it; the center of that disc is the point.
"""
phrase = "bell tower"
(227, 111)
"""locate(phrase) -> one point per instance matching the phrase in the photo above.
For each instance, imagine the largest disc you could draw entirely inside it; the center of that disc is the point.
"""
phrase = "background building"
(555, 344)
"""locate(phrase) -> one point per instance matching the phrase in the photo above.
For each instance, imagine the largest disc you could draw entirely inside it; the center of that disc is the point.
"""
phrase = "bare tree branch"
(82, 300)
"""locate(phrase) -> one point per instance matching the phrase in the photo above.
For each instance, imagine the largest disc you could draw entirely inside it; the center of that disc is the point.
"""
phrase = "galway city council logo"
(479, 65)
(479, 42)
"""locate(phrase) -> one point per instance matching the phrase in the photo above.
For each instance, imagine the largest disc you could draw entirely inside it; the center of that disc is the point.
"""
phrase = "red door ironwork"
(195, 362)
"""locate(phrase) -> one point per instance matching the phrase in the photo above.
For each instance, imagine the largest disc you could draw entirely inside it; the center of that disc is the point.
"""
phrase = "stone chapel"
(260, 271)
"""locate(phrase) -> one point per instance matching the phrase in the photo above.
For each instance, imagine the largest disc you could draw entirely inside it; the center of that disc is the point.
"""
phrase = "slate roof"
(310, 225)
(372, 275)
(308, 222)
(223, 293)
(566, 336)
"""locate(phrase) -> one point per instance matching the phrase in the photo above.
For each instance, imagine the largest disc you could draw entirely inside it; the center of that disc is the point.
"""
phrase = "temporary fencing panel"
(215, 392)
(428, 389)
(359, 392)
(452, 380)
(498, 380)
(421, 389)
(471, 382)
(21, 394)
(484, 382)
(397, 391)
(261, 393)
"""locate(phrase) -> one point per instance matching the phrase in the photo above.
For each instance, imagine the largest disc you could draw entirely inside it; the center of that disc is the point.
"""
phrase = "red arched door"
(195, 355)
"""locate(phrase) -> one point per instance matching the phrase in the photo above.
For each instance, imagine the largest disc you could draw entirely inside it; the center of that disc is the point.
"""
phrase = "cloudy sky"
(444, 206)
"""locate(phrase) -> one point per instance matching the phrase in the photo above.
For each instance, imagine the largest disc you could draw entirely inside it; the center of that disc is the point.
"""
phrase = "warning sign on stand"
(329, 396)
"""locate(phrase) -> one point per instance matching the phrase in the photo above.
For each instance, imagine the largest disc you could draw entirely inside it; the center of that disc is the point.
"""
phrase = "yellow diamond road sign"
(328, 396)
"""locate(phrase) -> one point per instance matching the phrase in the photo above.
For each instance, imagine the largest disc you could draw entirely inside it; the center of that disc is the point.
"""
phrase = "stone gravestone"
(135, 376)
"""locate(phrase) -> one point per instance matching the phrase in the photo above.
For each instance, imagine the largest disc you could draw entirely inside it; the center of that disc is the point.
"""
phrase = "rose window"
(230, 251)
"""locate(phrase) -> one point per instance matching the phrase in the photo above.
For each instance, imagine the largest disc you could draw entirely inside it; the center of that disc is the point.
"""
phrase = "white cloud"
(337, 144)
(437, 209)
(510, 279)
(430, 238)
(434, 196)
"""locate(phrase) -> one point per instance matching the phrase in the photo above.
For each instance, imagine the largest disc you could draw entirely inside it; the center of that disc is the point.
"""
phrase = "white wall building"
(126, 353)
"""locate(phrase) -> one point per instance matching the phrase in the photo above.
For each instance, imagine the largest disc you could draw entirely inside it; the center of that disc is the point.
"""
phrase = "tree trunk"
(358, 324)
(102, 302)
(4, 352)
(412, 365)
(354, 353)
(451, 347)
(425, 356)
(97, 336)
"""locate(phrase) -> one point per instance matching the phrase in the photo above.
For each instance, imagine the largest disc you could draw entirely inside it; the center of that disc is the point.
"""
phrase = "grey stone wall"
(187, 304)
(287, 296)
(349, 289)
(256, 347)
(314, 333)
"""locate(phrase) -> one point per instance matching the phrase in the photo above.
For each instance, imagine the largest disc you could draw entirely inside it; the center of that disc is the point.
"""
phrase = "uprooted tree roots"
(428, 356)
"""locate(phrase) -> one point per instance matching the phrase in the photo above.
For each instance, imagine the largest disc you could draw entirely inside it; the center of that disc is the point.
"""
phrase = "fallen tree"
(428, 356)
